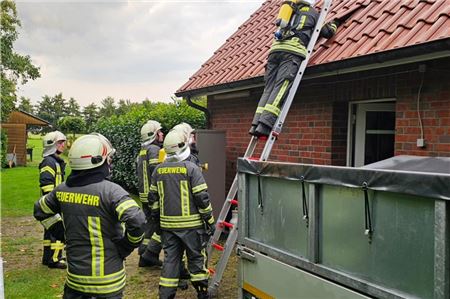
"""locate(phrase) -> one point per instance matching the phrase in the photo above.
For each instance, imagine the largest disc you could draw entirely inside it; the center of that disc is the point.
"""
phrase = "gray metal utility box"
(308, 231)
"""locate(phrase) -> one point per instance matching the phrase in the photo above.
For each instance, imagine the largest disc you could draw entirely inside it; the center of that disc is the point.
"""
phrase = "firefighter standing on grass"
(51, 174)
(102, 224)
(180, 203)
(287, 52)
(147, 160)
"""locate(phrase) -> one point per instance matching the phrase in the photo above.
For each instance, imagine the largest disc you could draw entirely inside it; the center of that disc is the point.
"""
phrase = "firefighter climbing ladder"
(231, 201)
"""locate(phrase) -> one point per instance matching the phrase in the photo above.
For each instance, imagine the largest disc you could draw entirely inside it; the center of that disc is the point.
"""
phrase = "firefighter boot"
(149, 259)
(185, 276)
(202, 289)
(61, 264)
(262, 130)
(252, 130)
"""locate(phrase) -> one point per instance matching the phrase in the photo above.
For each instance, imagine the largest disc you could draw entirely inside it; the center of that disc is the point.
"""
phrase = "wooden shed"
(16, 129)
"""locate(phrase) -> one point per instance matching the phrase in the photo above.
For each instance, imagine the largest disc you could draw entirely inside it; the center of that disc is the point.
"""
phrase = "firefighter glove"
(124, 247)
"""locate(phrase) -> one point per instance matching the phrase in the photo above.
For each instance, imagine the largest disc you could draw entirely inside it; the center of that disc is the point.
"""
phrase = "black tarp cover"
(421, 176)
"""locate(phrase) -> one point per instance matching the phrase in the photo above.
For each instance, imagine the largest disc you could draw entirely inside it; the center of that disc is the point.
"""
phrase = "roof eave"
(433, 50)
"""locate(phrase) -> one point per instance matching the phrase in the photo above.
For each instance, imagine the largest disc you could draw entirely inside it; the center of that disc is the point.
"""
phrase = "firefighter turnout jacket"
(300, 29)
(146, 162)
(51, 173)
(102, 225)
(179, 196)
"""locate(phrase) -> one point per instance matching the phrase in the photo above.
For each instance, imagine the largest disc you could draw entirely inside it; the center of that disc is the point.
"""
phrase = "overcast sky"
(133, 50)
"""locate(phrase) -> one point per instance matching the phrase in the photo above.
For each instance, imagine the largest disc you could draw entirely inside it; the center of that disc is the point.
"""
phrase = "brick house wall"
(317, 124)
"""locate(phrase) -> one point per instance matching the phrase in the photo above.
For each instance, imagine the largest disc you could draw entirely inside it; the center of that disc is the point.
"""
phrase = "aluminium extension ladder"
(226, 249)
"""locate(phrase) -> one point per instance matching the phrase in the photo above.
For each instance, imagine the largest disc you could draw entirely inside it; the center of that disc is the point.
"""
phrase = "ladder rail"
(232, 237)
(230, 196)
(293, 90)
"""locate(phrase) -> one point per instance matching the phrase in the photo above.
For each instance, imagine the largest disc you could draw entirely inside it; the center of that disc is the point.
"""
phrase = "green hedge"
(124, 133)
(4, 143)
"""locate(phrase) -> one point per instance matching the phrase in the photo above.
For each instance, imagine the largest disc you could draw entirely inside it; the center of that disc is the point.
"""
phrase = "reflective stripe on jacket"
(96, 217)
(302, 25)
(179, 195)
(146, 162)
(51, 173)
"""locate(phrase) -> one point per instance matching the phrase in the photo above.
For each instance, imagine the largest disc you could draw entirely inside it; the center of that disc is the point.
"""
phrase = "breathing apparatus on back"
(284, 19)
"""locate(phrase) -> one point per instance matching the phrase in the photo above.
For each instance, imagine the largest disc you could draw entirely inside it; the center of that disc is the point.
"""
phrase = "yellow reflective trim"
(144, 171)
(98, 289)
(47, 223)
(153, 161)
(44, 206)
(155, 205)
(272, 109)
(211, 220)
(97, 251)
(206, 210)
(161, 197)
(156, 237)
(86, 279)
(145, 241)
(153, 188)
(302, 22)
(47, 188)
(184, 193)
(184, 224)
(57, 247)
(133, 239)
(58, 177)
(199, 188)
(143, 197)
(143, 152)
(280, 94)
(199, 277)
(181, 218)
(124, 206)
(48, 169)
(259, 110)
(46, 242)
(168, 282)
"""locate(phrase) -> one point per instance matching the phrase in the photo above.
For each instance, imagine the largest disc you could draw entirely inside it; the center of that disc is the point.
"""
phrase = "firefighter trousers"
(281, 70)
(53, 248)
(174, 243)
(152, 240)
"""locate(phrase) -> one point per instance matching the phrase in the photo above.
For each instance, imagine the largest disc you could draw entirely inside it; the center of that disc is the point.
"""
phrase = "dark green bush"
(124, 133)
(4, 143)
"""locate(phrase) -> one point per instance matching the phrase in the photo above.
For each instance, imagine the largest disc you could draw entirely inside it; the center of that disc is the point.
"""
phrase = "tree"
(108, 108)
(14, 68)
(25, 105)
(72, 124)
(52, 108)
(73, 109)
(90, 113)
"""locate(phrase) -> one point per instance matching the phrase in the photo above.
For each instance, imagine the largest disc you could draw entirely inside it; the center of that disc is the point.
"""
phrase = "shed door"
(374, 132)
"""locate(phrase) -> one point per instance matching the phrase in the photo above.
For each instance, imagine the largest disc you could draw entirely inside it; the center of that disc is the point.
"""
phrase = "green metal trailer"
(308, 231)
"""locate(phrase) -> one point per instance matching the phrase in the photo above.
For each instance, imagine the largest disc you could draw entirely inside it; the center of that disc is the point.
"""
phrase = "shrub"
(4, 143)
(124, 133)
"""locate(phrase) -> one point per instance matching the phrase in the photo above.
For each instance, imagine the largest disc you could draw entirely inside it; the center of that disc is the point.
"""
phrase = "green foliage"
(4, 144)
(52, 109)
(91, 115)
(124, 133)
(25, 105)
(72, 124)
(14, 68)
(73, 108)
(108, 107)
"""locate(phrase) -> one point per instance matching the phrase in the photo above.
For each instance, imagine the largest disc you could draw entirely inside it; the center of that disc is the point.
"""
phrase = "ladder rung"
(217, 246)
(253, 158)
(275, 133)
(262, 138)
(227, 224)
(234, 202)
(211, 271)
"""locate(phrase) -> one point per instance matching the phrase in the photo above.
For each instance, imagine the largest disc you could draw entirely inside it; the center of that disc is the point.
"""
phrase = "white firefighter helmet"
(50, 141)
(176, 146)
(309, 2)
(90, 151)
(149, 131)
(185, 129)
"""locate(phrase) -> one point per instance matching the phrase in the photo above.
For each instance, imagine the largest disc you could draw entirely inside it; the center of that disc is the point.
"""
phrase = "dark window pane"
(379, 147)
(380, 120)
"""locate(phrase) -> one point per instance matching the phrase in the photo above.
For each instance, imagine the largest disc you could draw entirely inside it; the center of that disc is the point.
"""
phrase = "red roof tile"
(373, 26)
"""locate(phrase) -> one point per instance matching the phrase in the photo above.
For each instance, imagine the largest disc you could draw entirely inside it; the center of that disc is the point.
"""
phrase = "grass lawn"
(25, 277)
